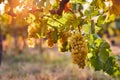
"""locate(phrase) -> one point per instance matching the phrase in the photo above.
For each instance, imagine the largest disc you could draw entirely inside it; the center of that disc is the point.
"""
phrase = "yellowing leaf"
(115, 8)
(110, 17)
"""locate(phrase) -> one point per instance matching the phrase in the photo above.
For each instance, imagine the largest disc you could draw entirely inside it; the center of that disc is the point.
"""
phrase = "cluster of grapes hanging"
(78, 49)
(50, 37)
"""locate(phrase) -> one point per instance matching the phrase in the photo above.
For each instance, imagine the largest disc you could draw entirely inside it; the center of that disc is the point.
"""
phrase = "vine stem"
(92, 29)
(79, 28)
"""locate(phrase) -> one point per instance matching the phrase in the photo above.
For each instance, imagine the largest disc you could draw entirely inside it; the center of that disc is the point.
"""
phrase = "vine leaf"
(104, 45)
(115, 8)
(103, 51)
(109, 65)
(103, 55)
(96, 63)
(100, 20)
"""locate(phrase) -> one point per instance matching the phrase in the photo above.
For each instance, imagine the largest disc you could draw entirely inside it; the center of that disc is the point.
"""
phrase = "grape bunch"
(64, 36)
(50, 42)
(32, 30)
(63, 41)
(78, 49)
(51, 37)
(37, 29)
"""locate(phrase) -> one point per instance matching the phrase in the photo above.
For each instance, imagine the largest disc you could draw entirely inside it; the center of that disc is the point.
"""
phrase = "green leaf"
(110, 17)
(104, 45)
(91, 39)
(73, 6)
(97, 42)
(96, 36)
(103, 55)
(101, 20)
(90, 12)
(100, 4)
(70, 20)
(54, 35)
(95, 62)
(86, 28)
(109, 65)
(78, 1)
(89, 55)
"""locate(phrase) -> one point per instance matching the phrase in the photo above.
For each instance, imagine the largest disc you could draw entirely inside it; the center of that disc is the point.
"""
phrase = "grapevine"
(59, 23)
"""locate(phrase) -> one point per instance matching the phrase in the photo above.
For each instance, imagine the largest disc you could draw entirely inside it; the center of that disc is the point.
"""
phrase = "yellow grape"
(50, 41)
(32, 30)
(78, 49)
(64, 36)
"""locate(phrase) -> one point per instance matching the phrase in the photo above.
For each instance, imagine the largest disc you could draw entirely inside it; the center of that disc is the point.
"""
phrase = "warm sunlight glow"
(89, 1)
(19, 9)
(108, 3)
(2, 8)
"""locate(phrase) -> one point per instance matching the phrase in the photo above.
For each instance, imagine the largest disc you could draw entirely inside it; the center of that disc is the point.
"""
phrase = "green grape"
(78, 49)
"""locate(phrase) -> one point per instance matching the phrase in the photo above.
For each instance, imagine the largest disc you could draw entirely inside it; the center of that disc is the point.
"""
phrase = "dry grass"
(49, 65)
